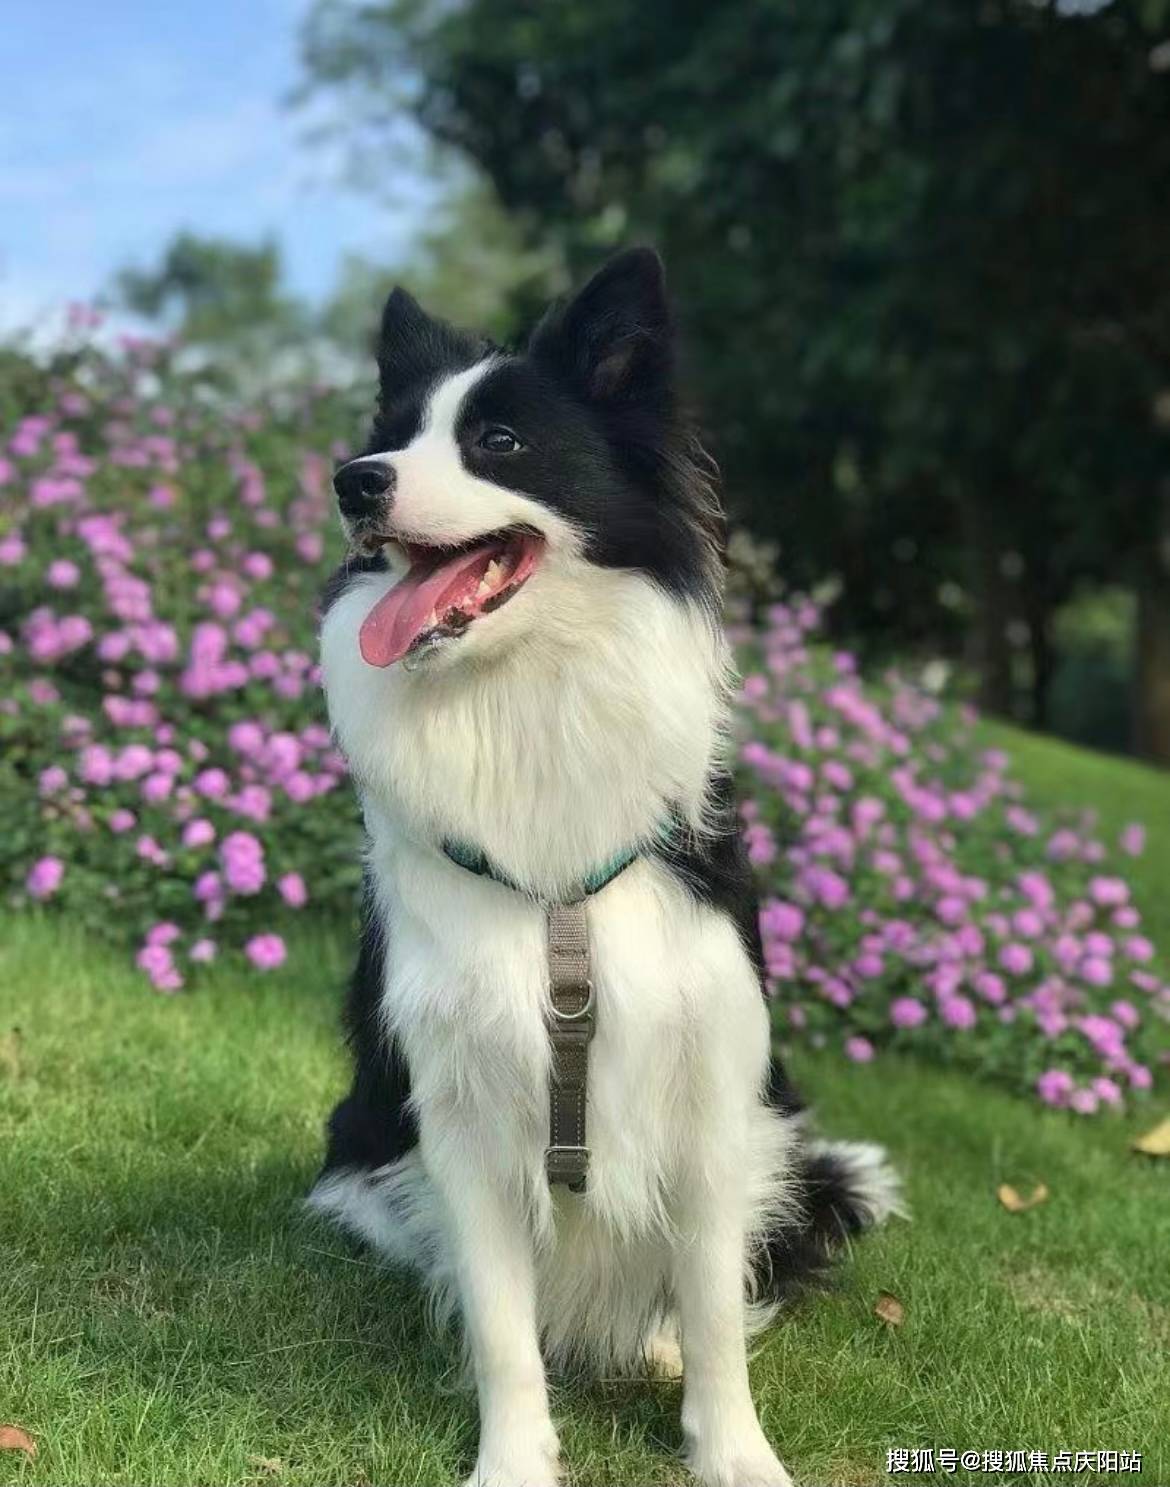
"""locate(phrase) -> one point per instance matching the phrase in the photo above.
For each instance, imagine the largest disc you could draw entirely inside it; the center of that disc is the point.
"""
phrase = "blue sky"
(121, 123)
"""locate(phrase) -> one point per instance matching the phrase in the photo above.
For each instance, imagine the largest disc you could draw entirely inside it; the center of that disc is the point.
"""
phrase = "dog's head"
(494, 477)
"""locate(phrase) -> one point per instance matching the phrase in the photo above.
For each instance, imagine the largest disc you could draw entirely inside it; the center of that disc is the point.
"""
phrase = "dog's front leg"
(492, 1250)
(725, 1445)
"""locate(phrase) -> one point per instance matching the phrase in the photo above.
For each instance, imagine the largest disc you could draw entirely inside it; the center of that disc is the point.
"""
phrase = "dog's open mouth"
(445, 589)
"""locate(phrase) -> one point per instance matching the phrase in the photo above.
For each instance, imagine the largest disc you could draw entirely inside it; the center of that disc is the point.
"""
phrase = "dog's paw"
(531, 1460)
(514, 1471)
(739, 1463)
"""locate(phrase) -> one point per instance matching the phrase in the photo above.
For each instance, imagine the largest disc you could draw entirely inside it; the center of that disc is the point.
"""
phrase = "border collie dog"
(526, 670)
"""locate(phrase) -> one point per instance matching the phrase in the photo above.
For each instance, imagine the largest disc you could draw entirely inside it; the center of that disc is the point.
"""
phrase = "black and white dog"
(524, 657)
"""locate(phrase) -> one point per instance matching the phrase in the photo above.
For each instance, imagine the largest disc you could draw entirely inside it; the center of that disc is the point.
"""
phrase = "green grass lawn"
(167, 1315)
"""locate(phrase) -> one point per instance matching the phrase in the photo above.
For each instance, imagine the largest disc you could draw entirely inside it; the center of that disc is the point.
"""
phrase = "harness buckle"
(582, 1012)
(567, 1164)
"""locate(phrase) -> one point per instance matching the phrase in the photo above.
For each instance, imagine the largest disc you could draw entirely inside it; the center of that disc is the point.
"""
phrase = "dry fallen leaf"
(1155, 1143)
(1015, 1202)
(273, 1465)
(889, 1309)
(12, 1438)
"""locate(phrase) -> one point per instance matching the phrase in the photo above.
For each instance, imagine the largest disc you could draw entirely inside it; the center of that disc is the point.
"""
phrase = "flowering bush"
(166, 775)
(919, 903)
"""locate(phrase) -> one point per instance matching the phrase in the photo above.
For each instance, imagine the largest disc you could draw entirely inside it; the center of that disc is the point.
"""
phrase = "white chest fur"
(467, 992)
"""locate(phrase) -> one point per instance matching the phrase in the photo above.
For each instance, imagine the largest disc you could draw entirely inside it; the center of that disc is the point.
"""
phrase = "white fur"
(557, 732)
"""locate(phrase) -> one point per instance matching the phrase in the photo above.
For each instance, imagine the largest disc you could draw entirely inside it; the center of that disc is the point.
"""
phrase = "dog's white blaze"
(437, 500)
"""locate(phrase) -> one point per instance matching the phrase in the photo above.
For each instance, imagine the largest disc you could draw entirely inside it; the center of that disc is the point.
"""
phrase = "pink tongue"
(398, 619)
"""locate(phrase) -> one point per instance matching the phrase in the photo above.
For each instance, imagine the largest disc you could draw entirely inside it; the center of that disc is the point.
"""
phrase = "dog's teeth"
(431, 620)
(492, 574)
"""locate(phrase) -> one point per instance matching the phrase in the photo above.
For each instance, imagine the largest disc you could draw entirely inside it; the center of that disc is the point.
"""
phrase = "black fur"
(830, 1211)
(715, 867)
(375, 1123)
(415, 351)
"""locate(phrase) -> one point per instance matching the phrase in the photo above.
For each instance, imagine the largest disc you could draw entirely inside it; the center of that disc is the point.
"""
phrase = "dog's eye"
(499, 440)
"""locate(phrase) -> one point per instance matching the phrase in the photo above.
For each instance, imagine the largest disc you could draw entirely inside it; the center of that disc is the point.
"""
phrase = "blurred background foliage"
(920, 256)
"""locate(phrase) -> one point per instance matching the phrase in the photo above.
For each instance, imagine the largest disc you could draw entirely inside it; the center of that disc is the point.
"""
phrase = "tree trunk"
(1040, 647)
(1152, 661)
(988, 650)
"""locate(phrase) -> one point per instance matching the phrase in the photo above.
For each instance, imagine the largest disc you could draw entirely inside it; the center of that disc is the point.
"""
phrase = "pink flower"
(202, 951)
(12, 550)
(44, 877)
(157, 962)
(1108, 1091)
(1028, 923)
(951, 909)
(157, 787)
(309, 546)
(783, 920)
(150, 851)
(1109, 892)
(198, 833)
(761, 844)
(991, 988)
(207, 888)
(257, 565)
(958, 1012)
(122, 820)
(907, 1012)
(133, 762)
(212, 783)
(1126, 1014)
(1037, 889)
(53, 780)
(62, 574)
(242, 858)
(1133, 839)
(827, 886)
(246, 738)
(1054, 1087)
(859, 1049)
(1096, 970)
(299, 786)
(266, 952)
(164, 933)
(1016, 959)
(1137, 947)
(293, 891)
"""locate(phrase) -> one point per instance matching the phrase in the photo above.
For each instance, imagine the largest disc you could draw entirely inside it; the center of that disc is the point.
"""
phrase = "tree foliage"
(213, 290)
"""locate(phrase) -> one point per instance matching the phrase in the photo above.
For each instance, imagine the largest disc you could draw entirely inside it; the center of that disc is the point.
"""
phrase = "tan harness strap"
(571, 1027)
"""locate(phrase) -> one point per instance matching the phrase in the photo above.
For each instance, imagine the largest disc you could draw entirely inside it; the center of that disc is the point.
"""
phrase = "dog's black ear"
(405, 336)
(614, 341)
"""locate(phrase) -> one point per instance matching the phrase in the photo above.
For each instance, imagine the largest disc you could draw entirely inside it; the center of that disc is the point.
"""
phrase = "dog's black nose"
(363, 487)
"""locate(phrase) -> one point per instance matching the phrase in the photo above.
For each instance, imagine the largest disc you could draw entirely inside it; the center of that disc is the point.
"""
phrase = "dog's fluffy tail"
(839, 1190)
